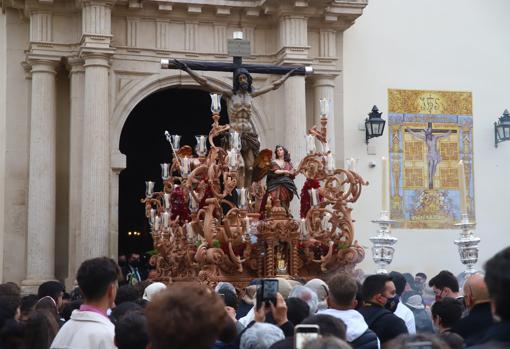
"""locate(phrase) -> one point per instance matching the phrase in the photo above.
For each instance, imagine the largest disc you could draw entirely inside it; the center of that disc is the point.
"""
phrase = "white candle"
(232, 159)
(324, 107)
(330, 163)
(462, 188)
(201, 146)
(384, 196)
(310, 144)
(303, 228)
(193, 202)
(235, 142)
(185, 166)
(166, 200)
(242, 197)
(189, 231)
(353, 164)
(166, 219)
(149, 187)
(152, 216)
(313, 194)
(164, 171)
(157, 223)
(247, 222)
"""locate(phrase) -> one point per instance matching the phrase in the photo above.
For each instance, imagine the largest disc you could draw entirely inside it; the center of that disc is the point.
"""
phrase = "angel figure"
(239, 102)
(280, 179)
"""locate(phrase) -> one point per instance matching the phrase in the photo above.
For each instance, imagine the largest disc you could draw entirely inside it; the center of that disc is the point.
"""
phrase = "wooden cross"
(238, 48)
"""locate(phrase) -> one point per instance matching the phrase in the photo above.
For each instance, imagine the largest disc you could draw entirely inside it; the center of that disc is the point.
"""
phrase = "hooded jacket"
(358, 334)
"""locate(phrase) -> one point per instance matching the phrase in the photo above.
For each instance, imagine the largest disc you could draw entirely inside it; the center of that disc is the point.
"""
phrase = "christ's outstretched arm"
(415, 134)
(202, 80)
(274, 85)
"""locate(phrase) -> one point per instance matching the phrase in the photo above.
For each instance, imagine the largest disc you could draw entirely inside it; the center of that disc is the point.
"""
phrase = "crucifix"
(240, 95)
(431, 137)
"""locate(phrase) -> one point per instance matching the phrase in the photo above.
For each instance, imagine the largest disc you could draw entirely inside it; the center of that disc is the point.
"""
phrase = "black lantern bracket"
(502, 128)
(374, 124)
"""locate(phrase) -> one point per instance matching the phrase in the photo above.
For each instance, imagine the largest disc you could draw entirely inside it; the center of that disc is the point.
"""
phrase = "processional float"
(206, 228)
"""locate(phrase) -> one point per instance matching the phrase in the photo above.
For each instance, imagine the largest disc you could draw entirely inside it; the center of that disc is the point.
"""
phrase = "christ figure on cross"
(239, 102)
(431, 141)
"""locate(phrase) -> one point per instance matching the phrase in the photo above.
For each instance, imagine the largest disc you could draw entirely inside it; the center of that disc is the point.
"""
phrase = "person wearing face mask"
(445, 284)
(133, 271)
(380, 300)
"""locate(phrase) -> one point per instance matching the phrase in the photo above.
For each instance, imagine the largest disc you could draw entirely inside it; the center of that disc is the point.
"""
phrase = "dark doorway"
(180, 111)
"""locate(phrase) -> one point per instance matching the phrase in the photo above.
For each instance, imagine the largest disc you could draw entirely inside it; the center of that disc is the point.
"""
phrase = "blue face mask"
(392, 303)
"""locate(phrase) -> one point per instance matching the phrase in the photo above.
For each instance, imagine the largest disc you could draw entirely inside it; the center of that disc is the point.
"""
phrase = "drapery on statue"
(239, 102)
(280, 180)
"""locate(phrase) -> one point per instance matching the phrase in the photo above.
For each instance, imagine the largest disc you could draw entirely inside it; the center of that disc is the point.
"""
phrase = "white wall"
(453, 45)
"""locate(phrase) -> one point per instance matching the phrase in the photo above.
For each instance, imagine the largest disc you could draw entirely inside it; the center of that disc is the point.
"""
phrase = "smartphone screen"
(269, 289)
(304, 334)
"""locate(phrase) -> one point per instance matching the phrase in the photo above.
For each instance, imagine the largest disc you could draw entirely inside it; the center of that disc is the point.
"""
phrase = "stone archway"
(127, 102)
(182, 111)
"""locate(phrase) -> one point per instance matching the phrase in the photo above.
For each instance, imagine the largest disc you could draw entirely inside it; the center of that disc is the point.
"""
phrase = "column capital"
(75, 65)
(324, 80)
(41, 65)
(96, 58)
(85, 3)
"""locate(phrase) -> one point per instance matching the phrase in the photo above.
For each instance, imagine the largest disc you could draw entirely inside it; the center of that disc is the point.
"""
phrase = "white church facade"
(71, 72)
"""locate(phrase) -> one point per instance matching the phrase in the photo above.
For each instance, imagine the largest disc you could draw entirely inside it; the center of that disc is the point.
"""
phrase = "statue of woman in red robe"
(280, 179)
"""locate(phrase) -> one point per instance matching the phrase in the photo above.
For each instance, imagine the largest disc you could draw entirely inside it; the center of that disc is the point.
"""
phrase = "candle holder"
(467, 244)
(383, 250)
(201, 147)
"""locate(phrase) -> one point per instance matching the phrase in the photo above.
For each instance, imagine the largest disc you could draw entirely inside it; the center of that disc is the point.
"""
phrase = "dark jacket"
(474, 326)
(496, 337)
(422, 320)
(384, 323)
(367, 340)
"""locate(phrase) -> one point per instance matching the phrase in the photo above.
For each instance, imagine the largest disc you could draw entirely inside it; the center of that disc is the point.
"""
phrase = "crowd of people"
(120, 305)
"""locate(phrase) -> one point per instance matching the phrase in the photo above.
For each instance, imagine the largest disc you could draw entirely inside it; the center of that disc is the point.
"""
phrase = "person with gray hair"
(306, 294)
(222, 285)
(321, 288)
(261, 335)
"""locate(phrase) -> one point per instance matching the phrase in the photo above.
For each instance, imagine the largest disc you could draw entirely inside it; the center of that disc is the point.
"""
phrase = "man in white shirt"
(402, 310)
(90, 327)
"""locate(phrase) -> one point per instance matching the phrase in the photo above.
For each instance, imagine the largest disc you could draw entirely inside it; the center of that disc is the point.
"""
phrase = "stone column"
(95, 50)
(77, 77)
(324, 87)
(42, 176)
(94, 236)
(295, 117)
(293, 30)
(295, 128)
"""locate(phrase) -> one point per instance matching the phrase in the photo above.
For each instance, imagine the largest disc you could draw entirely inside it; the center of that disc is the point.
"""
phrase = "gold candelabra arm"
(216, 129)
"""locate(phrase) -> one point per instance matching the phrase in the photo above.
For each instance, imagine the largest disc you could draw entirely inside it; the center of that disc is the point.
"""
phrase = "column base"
(30, 286)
